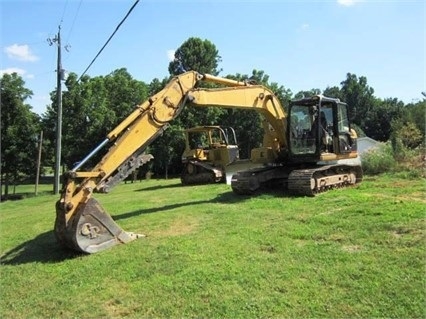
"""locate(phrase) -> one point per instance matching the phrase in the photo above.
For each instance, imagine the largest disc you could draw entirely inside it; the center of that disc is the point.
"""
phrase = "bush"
(379, 160)
(395, 158)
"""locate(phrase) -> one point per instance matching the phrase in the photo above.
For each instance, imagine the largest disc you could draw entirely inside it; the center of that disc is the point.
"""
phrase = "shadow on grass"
(153, 188)
(42, 249)
(23, 195)
(157, 209)
(231, 198)
(226, 198)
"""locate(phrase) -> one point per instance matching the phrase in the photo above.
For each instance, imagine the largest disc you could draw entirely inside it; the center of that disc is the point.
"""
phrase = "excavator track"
(300, 182)
(308, 182)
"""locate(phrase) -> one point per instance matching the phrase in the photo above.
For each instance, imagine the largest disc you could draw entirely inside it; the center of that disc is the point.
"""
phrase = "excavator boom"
(81, 223)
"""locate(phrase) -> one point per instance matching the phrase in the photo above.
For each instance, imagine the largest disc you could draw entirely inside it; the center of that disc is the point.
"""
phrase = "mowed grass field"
(347, 253)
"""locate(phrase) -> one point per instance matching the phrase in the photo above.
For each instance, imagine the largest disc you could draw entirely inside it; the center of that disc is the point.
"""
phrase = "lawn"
(357, 252)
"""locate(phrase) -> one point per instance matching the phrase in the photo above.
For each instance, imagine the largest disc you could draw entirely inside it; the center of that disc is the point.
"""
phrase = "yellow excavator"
(311, 149)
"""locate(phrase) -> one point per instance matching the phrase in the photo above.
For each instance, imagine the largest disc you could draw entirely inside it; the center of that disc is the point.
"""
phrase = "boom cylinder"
(84, 160)
(224, 81)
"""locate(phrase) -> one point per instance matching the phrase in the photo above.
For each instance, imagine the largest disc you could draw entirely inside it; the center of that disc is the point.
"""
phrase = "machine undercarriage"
(307, 181)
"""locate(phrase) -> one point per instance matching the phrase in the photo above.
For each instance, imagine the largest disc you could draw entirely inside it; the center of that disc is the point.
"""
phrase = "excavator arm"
(81, 223)
(253, 97)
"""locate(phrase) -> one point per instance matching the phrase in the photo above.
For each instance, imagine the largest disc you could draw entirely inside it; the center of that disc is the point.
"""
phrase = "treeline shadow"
(42, 249)
(23, 195)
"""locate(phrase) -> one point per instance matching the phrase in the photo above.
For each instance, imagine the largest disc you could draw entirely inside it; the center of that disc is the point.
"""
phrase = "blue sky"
(299, 44)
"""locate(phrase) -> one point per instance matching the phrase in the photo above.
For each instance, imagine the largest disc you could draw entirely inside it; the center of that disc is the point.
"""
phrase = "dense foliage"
(19, 130)
(94, 106)
(90, 109)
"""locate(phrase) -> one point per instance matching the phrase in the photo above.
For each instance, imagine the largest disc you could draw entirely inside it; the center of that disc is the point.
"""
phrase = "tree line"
(93, 106)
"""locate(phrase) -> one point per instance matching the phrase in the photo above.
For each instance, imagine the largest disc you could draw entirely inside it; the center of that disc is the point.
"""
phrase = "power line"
(63, 13)
(116, 29)
(73, 22)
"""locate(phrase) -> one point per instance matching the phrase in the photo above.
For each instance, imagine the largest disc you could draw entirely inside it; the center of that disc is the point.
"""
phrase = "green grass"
(357, 252)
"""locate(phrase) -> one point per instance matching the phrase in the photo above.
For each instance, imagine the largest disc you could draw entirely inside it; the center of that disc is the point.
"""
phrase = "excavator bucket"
(90, 229)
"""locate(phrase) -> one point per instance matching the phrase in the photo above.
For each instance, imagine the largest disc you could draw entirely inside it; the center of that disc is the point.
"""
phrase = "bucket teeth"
(91, 229)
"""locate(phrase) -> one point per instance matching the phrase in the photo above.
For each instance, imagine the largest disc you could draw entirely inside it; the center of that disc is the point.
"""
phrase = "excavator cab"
(319, 130)
(208, 149)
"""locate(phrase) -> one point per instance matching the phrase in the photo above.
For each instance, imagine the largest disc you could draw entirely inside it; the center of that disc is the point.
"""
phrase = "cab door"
(344, 141)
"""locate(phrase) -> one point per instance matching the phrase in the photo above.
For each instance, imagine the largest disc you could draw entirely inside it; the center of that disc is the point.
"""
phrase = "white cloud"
(305, 26)
(347, 3)
(171, 55)
(20, 72)
(13, 70)
(20, 52)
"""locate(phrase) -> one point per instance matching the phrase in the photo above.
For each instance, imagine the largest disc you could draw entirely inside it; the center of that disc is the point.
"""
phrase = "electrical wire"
(73, 22)
(116, 29)
(63, 13)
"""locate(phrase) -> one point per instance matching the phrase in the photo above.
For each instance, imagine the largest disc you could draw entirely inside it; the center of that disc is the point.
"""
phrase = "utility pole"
(40, 146)
(59, 71)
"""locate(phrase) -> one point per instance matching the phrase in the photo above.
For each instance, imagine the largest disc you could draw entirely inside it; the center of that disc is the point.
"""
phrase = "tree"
(359, 97)
(333, 92)
(303, 94)
(197, 55)
(19, 131)
(156, 85)
(203, 57)
(91, 109)
(123, 93)
(80, 130)
(416, 113)
(377, 121)
(167, 151)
